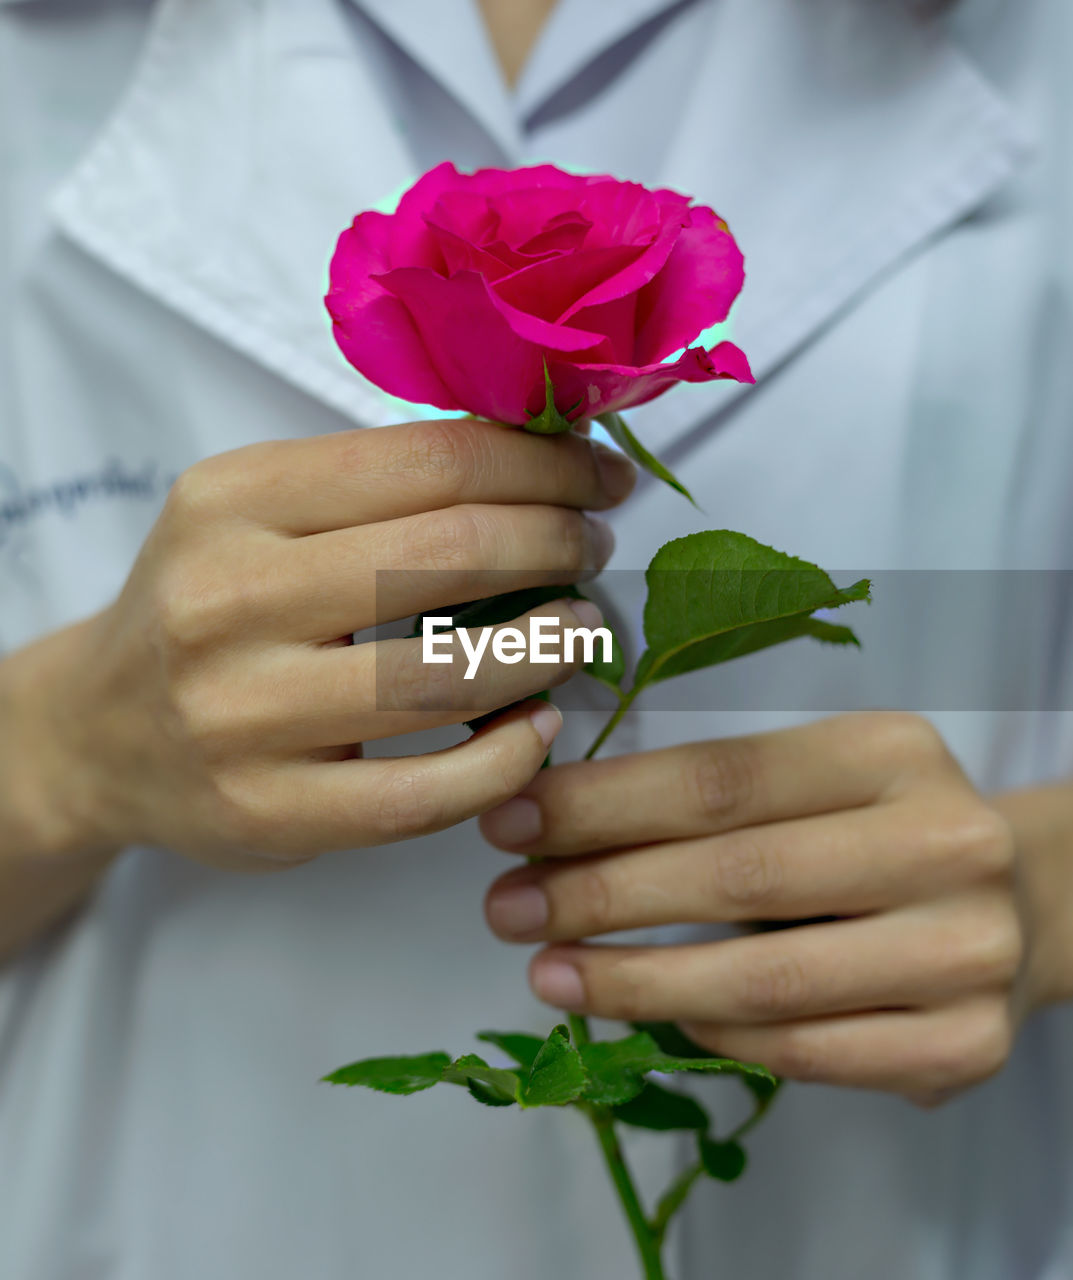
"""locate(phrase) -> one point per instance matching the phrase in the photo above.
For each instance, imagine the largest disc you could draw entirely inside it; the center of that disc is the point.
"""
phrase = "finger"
(303, 701)
(366, 475)
(708, 787)
(351, 579)
(927, 1055)
(347, 804)
(909, 958)
(863, 860)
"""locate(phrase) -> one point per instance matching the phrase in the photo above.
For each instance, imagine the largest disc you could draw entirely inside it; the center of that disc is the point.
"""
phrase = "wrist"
(48, 808)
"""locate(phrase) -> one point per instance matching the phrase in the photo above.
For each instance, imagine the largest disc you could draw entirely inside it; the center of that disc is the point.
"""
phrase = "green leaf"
(393, 1075)
(616, 1067)
(549, 421)
(664, 1109)
(633, 448)
(763, 1091)
(719, 595)
(671, 1039)
(519, 1045)
(557, 1075)
(483, 1081)
(722, 1160)
(829, 633)
(488, 1095)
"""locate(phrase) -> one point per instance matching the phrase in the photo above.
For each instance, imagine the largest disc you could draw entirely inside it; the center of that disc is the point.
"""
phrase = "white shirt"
(174, 176)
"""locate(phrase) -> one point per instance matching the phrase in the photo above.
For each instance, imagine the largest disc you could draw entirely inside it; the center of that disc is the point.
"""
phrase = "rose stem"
(603, 1122)
(647, 1240)
(624, 705)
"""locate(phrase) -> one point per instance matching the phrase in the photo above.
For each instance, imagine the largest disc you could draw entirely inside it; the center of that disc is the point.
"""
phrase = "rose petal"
(372, 328)
(528, 211)
(618, 320)
(696, 287)
(466, 213)
(468, 230)
(489, 355)
(549, 289)
(562, 234)
(621, 212)
(612, 388)
(412, 245)
(500, 182)
(461, 254)
(631, 238)
(637, 273)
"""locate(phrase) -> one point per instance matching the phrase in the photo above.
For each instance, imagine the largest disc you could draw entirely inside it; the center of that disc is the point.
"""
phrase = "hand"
(217, 707)
(918, 985)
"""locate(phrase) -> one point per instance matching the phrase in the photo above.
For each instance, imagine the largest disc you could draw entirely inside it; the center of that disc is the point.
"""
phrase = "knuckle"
(746, 875)
(246, 818)
(196, 609)
(799, 1056)
(407, 806)
(724, 779)
(413, 685)
(775, 987)
(200, 714)
(621, 992)
(452, 539)
(994, 949)
(905, 737)
(992, 1042)
(510, 766)
(570, 536)
(983, 841)
(444, 455)
(975, 1047)
(180, 607)
(197, 492)
(590, 897)
(583, 456)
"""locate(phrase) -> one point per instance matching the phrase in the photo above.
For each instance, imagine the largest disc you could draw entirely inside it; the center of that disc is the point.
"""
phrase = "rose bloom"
(459, 297)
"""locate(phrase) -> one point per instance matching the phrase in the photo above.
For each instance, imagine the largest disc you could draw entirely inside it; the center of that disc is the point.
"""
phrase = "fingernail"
(558, 983)
(518, 910)
(547, 721)
(587, 613)
(517, 822)
(617, 473)
(601, 542)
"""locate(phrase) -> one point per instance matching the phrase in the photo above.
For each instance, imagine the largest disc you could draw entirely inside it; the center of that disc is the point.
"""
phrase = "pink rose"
(459, 297)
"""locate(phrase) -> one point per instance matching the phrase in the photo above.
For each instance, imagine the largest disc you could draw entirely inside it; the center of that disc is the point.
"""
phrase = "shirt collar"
(575, 35)
(450, 41)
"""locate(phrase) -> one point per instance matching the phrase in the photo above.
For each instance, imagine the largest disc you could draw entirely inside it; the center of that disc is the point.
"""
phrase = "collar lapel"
(834, 137)
(247, 140)
(577, 32)
(448, 39)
